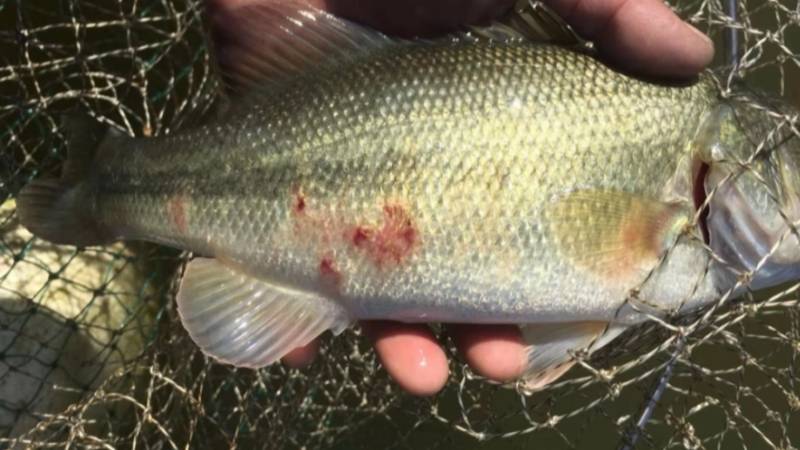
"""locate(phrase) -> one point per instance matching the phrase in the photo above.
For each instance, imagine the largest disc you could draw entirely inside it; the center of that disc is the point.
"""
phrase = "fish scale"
(457, 180)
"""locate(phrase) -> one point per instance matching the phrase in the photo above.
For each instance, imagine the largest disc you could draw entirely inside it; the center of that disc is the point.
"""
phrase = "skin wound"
(390, 243)
(176, 209)
(383, 243)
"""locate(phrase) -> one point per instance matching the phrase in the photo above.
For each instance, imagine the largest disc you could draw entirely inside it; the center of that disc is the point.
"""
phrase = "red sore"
(392, 242)
(299, 203)
(328, 271)
(361, 236)
(177, 213)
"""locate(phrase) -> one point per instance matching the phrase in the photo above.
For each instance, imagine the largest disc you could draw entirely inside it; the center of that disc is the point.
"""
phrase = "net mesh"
(92, 354)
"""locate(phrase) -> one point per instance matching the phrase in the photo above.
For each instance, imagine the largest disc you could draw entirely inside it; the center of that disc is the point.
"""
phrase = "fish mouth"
(750, 251)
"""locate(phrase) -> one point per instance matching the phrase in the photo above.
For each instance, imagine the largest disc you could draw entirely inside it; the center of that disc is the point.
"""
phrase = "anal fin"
(248, 322)
(551, 347)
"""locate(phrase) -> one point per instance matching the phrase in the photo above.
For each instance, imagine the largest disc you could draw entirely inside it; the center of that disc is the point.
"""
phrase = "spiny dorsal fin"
(261, 44)
(533, 21)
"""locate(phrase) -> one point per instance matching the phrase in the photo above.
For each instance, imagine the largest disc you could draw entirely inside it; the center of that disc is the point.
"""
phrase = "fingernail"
(701, 52)
(699, 33)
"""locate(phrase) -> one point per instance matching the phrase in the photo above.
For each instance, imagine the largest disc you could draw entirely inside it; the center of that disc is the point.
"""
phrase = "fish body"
(421, 190)
(458, 180)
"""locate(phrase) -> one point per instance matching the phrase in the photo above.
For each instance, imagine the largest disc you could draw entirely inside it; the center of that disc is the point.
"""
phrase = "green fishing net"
(92, 354)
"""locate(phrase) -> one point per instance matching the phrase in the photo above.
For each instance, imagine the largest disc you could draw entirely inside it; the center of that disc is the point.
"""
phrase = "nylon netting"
(92, 354)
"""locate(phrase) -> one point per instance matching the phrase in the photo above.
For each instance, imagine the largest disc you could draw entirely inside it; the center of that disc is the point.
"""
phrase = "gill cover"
(752, 185)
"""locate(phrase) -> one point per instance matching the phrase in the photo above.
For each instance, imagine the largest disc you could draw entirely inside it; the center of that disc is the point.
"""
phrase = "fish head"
(752, 186)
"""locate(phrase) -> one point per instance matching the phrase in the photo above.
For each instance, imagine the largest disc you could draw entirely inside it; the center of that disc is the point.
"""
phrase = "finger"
(411, 355)
(644, 36)
(493, 351)
(302, 356)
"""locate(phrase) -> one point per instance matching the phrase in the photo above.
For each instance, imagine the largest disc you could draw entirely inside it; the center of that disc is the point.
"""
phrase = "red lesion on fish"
(388, 242)
(176, 209)
(329, 273)
(361, 236)
(392, 242)
(309, 223)
(298, 199)
(299, 203)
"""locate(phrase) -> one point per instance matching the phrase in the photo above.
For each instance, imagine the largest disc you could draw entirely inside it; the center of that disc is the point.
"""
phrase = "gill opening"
(699, 195)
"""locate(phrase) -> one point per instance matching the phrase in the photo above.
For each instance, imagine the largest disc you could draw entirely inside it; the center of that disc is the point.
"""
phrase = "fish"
(484, 177)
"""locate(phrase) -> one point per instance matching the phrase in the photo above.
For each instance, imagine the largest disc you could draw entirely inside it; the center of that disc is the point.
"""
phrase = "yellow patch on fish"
(615, 235)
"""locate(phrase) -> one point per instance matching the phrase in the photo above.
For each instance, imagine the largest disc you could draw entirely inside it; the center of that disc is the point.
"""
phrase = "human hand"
(643, 36)
(413, 357)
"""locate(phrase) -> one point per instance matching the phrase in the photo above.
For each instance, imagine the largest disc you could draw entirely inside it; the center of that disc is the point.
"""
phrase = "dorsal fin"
(531, 20)
(260, 44)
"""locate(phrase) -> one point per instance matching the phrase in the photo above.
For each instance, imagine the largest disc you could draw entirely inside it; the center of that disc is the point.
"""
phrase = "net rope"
(92, 354)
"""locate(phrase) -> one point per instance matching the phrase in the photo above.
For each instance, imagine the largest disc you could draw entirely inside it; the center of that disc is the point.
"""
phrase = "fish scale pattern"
(445, 156)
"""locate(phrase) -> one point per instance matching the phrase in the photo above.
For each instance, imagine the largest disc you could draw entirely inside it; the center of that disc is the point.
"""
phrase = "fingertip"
(642, 36)
(493, 351)
(648, 38)
(302, 356)
(652, 40)
(410, 354)
(702, 45)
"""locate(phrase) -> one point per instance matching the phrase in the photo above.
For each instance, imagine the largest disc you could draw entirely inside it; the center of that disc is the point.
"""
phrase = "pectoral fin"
(248, 322)
(551, 347)
(615, 235)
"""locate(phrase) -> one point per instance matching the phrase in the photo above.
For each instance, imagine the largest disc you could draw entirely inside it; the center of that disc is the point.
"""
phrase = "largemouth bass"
(469, 179)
